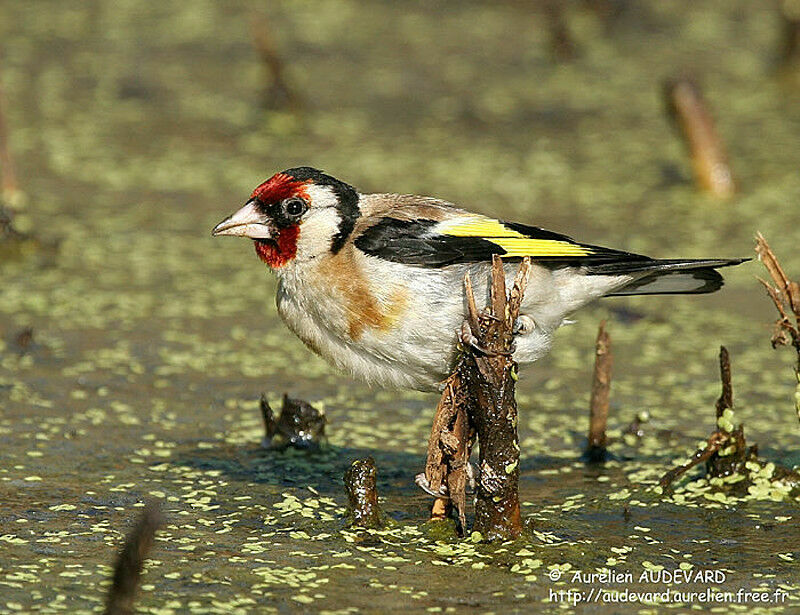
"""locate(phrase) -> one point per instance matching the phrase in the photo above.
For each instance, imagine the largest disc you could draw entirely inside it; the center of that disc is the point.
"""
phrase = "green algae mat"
(136, 126)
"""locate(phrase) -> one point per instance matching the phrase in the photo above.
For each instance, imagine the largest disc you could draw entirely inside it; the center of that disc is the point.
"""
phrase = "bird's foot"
(467, 338)
(523, 325)
(424, 484)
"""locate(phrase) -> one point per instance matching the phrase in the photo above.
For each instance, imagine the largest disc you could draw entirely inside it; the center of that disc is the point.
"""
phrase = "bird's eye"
(294, 207)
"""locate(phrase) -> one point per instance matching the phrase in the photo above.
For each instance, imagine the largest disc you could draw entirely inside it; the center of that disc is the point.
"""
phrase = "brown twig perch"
(598, 405)
(490, 376)
(479, 398)
(278, 93)
(785, 294)
(128, 567)
(712, 171)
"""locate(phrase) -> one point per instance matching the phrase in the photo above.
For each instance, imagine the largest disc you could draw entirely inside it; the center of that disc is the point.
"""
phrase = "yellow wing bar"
(513, 242)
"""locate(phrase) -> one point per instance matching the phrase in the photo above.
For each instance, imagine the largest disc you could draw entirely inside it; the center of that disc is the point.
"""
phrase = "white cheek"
(321, 197)
(319, 225)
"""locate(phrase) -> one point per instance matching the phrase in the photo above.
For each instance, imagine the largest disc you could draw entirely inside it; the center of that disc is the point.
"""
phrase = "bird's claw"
(424, 484)
(471, 480)
(468, 338)
(523, 325)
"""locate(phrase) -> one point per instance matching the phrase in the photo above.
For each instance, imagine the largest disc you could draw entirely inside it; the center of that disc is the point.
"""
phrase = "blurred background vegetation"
(133, 346)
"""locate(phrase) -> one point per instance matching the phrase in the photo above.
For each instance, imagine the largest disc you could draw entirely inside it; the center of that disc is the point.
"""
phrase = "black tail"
(667, 277)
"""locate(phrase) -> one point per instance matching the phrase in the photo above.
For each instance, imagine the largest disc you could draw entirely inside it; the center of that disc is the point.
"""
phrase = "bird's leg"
(441, 509)
(471, 478)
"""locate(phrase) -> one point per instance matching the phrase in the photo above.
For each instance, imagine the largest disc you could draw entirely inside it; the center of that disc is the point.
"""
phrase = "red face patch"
(276, 253)
(279, 187)
(283, 248)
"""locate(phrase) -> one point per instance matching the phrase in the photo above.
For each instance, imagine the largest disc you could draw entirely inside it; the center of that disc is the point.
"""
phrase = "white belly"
(418, 349)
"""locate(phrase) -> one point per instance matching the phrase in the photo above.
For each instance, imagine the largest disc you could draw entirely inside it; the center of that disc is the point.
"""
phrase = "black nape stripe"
(346, 197)
(349, 212)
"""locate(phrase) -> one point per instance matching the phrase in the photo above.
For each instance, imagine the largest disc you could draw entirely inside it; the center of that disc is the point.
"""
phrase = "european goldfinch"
(373, 283)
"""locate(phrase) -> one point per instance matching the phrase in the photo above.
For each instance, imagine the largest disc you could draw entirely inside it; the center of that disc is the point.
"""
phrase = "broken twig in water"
(789, 55)
(9, 188)
(725, 400)
(712, 171)
(14, 240)
(277, 93)
(731, 458)
(299, 425)
(561, 42)
(714, 443)
(128, 567)
(598, 405)
(785, 294)
(449, 446)
(360, 482)
(726, 451)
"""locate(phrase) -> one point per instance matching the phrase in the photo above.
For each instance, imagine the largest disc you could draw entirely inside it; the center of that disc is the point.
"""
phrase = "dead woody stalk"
(278, 93)
(785, 294)
(709, 159)
(360, 482)
(725, 452)
(11, 239)
(479, 399)
(790, 18)
(599, 402)
(128, 567)
(8, 178)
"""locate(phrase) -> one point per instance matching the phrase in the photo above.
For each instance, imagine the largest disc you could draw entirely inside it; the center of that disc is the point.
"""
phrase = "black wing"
(431, 243)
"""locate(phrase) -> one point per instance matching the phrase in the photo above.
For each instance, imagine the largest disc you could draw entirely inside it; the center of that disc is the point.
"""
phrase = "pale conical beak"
(247, 222)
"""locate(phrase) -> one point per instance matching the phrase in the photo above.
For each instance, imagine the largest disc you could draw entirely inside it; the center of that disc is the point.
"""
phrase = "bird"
(373, 283)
